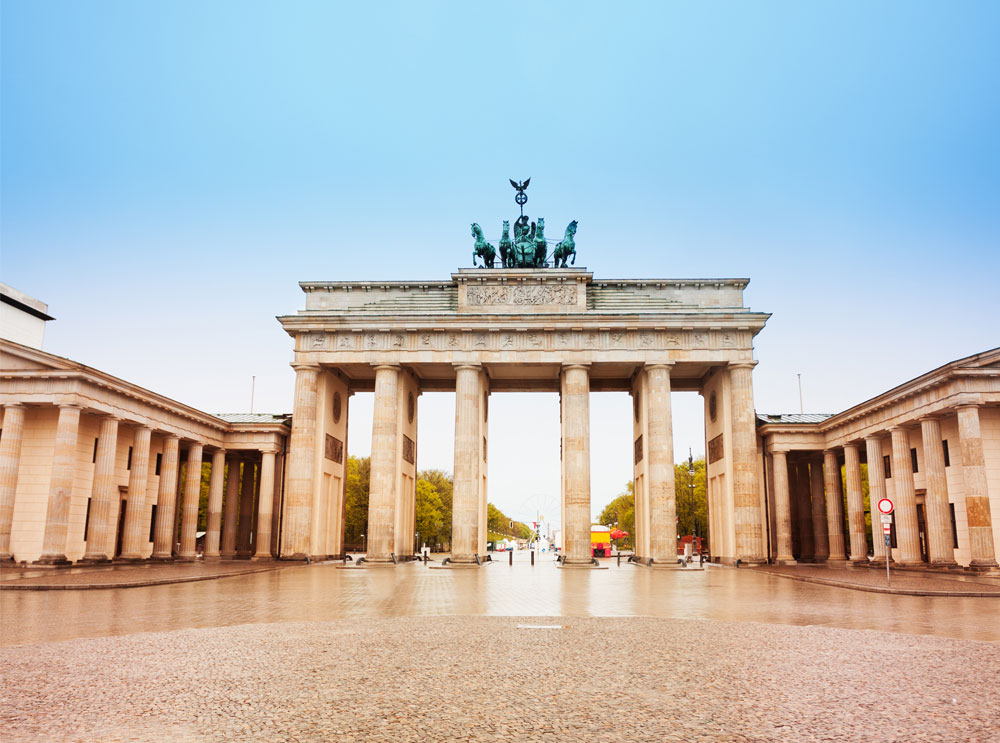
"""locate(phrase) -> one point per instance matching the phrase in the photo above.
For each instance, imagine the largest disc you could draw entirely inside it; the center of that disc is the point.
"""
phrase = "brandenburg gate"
(518, 329)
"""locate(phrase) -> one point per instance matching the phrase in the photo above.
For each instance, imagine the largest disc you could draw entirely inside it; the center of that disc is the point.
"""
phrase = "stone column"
(385, 464)
(192, 493)
(166, 501)
(905, 502)
(213, 523)
(276, 507)
(821, 543)
(807, 542)
(244, 532)
(660, 466)
(939, 542)
(746, 493)
(264, 503)
(876, 491)
(576, 459)
(782, 510)
(856, 505)
(977, 494)
(232, 508)
(465, 499)
(834, 506)
(135, 523)
(301, 475)
(105, 501)
(61, 487)
(10, 458)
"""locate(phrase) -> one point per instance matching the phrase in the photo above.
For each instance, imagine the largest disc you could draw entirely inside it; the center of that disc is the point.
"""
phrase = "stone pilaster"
(856, 505)
(746, 492)
(782, 509)
(164, 535)
(301, 475)
(977, 496)
(265, 501)
(135, 524)
(231, 508)
(834, 506)
(575, 399)
(276, 506)
(192, 493)
(10, 459)
(61, 487)
(244, 532)
(384, 464)
(940, 549)
(465, 510)
(905, 502)
(105, 501)
(660, 466)
(876, 491)
(213, 521)
(821, 538)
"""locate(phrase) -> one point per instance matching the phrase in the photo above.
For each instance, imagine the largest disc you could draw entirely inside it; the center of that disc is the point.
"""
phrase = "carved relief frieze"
(525, 295)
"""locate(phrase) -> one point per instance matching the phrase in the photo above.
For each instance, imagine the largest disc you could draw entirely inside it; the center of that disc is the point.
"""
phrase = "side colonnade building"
(931, 445)
(93, 468)
(489, 331)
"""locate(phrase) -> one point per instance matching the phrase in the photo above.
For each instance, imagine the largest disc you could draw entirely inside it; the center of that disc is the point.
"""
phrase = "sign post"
(885, 508)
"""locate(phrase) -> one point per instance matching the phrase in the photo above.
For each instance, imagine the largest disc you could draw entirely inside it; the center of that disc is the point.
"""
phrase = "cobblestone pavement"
(486, 679)
(125, 576)
(902, 581)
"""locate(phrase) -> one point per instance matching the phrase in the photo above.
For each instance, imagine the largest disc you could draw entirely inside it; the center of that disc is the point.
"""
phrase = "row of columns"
(825, 540)
(105, 498)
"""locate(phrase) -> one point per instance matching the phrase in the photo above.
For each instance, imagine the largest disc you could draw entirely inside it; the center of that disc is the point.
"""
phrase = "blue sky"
(170, 171)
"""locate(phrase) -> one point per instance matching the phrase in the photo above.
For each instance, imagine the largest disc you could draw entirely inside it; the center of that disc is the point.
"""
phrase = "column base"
(186, 558)
(52, 561)
(6, 557)
(294, 557)
(212, 558)
(789, 561)
(266, 558)
(129, 560)
(95, 559)
(161, 558)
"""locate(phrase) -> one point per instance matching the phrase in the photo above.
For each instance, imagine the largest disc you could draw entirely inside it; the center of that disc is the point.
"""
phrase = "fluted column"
(138, 478)
(61, 487)
(660, 466)
(164, 534)
(10, 459)
(213, 520)
(746, 492)
(105, 500)
(821, 538)
(834, 506)
(385, 464)
(301, 476)
(465, 509)
(782, 509)
(876, 492)
(977, 495)
(575, 400)
(905, 502)
(244, 532)
(265, 501)
(232, 508)
(940, 550)
(192, 494)
(856, 505)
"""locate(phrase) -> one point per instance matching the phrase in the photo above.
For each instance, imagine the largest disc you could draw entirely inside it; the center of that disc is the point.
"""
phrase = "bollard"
(532, 557)
(511, 556)
(619, 559)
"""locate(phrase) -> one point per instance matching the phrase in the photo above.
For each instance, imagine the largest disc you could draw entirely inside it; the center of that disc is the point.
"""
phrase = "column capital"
(14, 406)
(476, 366)
(901, 428)
(171, 437)
(300, 366)
(668, 365)
(742, 364)
(930, 417)
(834, 450)
(576, 365)
(60, 405)
(385, 365)
(143, 427)
(874, 437)
(968, 405)
(269, 449)
(217, 452)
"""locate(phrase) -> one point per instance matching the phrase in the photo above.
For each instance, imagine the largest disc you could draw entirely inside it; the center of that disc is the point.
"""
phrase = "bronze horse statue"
(506, 246)
(566, 248)
(541, 247)
(482, 249)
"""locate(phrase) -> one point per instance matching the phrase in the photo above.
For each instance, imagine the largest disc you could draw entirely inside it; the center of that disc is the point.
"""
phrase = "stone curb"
(134, 584)
(879, 589)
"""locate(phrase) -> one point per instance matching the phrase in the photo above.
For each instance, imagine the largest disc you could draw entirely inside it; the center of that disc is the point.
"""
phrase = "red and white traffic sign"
(885, 505)
(886, 528)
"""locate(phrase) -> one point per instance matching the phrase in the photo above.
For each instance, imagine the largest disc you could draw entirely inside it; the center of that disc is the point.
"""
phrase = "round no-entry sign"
(885, 505)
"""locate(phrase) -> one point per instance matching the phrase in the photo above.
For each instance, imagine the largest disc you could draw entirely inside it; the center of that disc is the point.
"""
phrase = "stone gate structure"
(497, 330)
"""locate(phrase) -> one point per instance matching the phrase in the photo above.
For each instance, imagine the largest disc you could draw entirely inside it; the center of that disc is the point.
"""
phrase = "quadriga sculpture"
(566, 248)
(482, 249)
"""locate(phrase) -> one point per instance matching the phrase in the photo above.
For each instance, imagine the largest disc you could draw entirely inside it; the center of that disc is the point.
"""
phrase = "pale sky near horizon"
(171, 170)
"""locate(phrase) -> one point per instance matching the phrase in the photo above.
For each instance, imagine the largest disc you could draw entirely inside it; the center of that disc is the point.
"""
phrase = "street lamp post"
(363, 544)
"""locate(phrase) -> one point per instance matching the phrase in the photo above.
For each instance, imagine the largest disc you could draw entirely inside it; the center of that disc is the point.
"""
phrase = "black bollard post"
(510, 555)
(619, 558)
(532, 557)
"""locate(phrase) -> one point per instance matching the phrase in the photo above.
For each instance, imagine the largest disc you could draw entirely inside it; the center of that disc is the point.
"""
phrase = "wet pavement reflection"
(324, 591)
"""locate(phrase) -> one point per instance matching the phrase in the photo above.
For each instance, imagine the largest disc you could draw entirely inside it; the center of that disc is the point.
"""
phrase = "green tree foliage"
(431, 524)
(621, 511)
(359, 470)
(692, 509)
